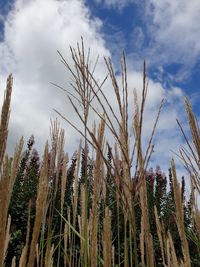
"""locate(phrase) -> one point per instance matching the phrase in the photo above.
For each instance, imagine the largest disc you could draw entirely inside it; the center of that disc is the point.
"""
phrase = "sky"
(166, 34)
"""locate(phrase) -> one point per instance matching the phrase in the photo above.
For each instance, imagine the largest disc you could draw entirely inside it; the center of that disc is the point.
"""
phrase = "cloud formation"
(33, 33)
(34, 30)
(170, 33)
(174, 27)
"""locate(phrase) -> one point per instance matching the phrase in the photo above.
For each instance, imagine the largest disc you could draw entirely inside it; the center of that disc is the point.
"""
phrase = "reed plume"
(8, 169)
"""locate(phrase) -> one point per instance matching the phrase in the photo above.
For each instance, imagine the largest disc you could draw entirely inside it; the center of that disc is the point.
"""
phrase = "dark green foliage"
(110, 187)
(86, 177)
(151, 179)
(25, 190)
(68, 193)
(158, 193)
(84, 165)
(67, 205)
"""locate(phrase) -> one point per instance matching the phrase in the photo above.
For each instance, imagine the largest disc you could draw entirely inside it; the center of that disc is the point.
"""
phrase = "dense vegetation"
(25, 190)
(102, 207)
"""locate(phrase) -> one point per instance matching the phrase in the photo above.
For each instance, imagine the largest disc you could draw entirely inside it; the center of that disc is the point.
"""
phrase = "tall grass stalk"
(41, 202)
(8, 170)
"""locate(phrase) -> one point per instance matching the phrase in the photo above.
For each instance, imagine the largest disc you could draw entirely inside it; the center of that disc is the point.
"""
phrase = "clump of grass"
(77, 207)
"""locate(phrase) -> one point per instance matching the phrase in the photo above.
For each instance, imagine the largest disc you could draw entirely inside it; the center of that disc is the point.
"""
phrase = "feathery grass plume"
(172, 258)
(160, 236)
(63, 189)
(76, 185)
(7, 239)
(5, 112)
(84, 81)
(84, 92)
(126, 194)
(66, 260)
(7, 178)
(195, 131)
(168, 255)
(89, 208)
(125, 243)
(180, 217)
(125, 155)
(141, 167)
(71, 240)
(23, 258)
(64, 180)
(75, 197)
(55, 133)
(82, 84)
(37, 255)
(137, 124)
(57, 145)
(107, 239)
(97, 188)
(142, 243)
(191, 157)
(93, 227)
(83, 226)
(123, 136)
(41, 202)
(195, 212)
(196, 216)
(60, 155)
(56, 157)
(13, 262)
(92, 85)
(4, 191)
(75, 201)
(117, 184)
(49, 261)
(8, 168)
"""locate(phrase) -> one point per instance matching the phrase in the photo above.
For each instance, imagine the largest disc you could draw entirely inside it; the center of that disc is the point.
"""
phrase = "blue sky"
(125, 26)
(128, 27)
(165, 33)
(127, 21)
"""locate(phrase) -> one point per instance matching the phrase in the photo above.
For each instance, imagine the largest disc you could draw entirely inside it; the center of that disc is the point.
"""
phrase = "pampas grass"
(88, 235)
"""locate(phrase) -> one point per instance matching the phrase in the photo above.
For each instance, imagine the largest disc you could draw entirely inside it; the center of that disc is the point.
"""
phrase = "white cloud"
(34, 30)
(170, 33)
(174, 29)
